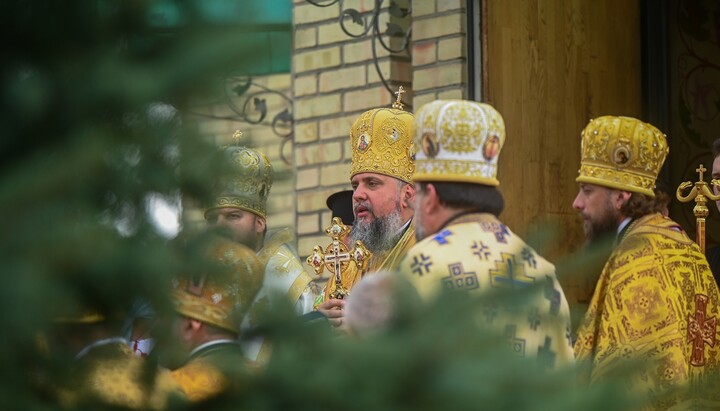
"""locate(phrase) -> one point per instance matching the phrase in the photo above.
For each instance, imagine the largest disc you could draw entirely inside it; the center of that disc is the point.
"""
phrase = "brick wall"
(439, 53)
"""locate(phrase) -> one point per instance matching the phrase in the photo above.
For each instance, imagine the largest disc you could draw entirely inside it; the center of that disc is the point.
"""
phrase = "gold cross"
(237, 136)
(701, 170)
(336, 257)
(398, 102)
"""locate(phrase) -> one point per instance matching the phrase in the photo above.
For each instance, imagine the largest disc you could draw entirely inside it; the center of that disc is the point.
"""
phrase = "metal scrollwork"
(254, 106)
(321, 4)
(370, 24)
(248, 100)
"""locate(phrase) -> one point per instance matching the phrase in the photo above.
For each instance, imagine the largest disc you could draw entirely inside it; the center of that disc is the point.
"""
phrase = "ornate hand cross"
(700, 193)
(336, 257)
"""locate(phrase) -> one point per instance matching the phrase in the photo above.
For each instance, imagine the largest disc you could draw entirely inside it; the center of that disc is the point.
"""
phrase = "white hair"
(370, 306)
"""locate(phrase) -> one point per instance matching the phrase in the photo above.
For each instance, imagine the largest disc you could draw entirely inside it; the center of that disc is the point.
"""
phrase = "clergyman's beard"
(379, 234)
(246, 239)
(602, 227)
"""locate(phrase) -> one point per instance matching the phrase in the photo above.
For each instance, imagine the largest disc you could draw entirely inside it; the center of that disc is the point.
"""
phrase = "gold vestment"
(206, 373)
(655, 302)
(285, 277)
(200, 380)
(112, 375)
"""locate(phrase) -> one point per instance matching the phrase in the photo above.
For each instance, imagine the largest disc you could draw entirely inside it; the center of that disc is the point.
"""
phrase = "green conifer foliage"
(91, 124)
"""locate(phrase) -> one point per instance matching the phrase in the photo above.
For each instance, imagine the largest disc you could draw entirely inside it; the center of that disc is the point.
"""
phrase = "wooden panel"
(694, 84)
(550, 67)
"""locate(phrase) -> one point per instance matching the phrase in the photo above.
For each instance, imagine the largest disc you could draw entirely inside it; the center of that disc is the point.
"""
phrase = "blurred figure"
(656, 301)
(139, 327)
(463, 246)
(370, 307)
(378, 303)
(209, 307)
(381, 177)
(240, 209)
(340, 203)
(104, 371)
(716, 168)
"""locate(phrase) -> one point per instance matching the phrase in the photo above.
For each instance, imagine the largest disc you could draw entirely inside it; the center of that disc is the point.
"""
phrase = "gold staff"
(700, 193)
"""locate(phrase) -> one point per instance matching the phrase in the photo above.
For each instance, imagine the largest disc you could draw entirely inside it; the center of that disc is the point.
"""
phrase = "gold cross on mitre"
(397, 105)
(237, 136)
(700, 193)
(336, 257)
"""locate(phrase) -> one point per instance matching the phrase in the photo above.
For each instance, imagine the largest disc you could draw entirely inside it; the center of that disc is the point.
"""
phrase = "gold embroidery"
(622, 153)
(460, 140)
(380, 141)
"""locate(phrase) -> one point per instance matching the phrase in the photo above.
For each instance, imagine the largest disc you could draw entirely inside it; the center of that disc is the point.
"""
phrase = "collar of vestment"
(403, 228)
(468, 216)
(622, 229)
(656, 224)
(203, 349)
(623, 225)
(100, 343)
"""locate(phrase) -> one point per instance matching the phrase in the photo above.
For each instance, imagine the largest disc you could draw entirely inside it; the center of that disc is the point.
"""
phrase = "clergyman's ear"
(622, 198)
(194, 324)
(259, 224)
(408, 195)
(432, 197)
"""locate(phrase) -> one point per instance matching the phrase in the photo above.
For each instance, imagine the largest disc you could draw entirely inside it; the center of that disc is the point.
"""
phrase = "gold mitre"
(248, 185)
(622, 153)
(459, 141)
(89, 309)
(222, 294)
(381, 141)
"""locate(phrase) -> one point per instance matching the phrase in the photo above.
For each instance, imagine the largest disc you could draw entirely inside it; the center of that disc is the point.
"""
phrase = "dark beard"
(601, 229)
(249, 241)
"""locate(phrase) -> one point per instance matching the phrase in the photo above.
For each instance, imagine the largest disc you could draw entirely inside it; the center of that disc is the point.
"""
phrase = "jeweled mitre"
(458, 141)
(222, 295)
(381, 141)
(247, 186)
(622, 153)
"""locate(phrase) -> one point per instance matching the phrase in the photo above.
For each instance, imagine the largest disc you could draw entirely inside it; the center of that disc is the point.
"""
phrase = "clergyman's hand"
(334, 311)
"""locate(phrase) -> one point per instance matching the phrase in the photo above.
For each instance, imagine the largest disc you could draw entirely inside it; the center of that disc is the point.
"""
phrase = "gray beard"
(379, 235)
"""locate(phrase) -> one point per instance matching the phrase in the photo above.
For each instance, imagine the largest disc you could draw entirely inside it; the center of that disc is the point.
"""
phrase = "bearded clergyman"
(383, 161)
(652, 320)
